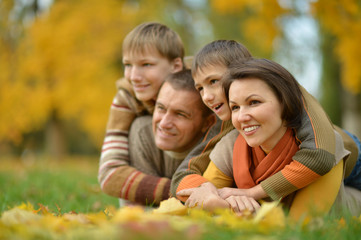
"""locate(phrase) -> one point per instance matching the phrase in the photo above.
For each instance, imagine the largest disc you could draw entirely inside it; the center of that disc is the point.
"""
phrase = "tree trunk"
(351, 117)
(55, 138)
(330, 82)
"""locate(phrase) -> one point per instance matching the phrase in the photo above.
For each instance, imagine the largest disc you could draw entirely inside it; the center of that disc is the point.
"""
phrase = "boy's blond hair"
(157, 35)
(219, 52)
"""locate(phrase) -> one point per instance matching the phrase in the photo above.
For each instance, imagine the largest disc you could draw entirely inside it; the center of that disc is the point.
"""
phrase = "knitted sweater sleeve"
(116, 177)
(316, 155)
(189, 173)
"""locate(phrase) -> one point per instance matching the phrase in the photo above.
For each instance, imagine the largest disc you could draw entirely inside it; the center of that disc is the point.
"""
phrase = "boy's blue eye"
(213, 81)
(234, 108)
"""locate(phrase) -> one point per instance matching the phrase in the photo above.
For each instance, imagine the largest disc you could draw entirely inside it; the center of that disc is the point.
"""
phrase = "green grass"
(70, 185)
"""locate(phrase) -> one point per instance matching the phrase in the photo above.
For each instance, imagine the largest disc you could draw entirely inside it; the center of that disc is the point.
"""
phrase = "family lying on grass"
(226, 131)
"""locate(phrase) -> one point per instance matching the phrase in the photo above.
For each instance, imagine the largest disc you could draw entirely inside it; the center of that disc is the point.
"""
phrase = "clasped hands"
(208, 197)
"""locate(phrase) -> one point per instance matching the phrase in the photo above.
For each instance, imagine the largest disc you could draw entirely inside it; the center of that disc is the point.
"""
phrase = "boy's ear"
(177, 65)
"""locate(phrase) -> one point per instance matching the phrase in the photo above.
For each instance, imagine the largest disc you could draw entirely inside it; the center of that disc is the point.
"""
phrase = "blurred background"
(59, 59)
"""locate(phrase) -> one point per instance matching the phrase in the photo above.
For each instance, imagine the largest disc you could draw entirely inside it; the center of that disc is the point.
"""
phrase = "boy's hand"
(200, 195)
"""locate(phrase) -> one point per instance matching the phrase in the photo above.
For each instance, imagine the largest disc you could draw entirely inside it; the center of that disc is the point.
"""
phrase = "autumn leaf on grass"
(171, 206)
(18, 215)
(270, 215)
(227, 217)
(126, 214)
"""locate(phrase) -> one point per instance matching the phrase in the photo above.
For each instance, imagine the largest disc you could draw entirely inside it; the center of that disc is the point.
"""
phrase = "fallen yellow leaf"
(171, 206)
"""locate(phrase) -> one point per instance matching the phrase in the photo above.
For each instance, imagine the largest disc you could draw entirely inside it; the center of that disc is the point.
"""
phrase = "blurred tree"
(12, 14)
(341, 22)
(254, 23)
(67, 64)
(59, 73)
(331, 89)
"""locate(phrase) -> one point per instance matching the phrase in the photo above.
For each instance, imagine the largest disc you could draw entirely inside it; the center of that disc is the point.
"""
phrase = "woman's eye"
(127, 65)
(253, 102)
(147, 64)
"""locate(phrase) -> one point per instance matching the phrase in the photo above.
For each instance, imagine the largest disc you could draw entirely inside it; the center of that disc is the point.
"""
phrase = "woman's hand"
(255, 192)
(227, 192)
(241, 203)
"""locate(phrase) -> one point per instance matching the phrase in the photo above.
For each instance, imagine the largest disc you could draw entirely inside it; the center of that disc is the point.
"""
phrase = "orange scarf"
(251, 165)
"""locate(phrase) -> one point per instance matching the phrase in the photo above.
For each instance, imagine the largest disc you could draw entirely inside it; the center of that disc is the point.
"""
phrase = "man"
(158, 145)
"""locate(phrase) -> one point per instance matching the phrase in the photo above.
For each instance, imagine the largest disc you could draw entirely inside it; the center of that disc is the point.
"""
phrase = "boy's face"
(178, 121)
(208, 83)
(147, 70)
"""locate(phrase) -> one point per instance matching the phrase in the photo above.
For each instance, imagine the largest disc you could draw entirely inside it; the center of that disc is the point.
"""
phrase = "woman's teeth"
(248, 129)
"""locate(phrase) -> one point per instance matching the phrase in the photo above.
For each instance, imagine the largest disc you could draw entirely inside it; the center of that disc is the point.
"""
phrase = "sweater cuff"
(190, 181)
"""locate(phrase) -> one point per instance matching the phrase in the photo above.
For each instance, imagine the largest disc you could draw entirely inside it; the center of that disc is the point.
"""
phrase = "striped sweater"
(316, 155)
(116, 177)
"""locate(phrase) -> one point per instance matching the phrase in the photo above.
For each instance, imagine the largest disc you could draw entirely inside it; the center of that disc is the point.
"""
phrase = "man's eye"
(147, 64)
(127, 65)
(160, 108)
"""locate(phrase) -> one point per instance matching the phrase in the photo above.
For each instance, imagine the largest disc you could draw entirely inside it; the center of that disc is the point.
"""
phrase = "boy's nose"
(135, 74)
(207, 96)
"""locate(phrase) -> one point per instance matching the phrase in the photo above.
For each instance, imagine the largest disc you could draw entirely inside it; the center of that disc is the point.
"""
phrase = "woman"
(266, 104)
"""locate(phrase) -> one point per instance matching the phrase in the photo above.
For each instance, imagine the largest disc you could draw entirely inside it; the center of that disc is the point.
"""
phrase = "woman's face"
(256, 113)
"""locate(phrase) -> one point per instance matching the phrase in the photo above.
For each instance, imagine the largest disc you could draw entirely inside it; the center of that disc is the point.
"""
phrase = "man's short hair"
(183, 81)
(156, 35)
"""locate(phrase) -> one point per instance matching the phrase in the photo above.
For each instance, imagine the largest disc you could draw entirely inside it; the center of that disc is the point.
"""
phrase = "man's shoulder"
(142, 124)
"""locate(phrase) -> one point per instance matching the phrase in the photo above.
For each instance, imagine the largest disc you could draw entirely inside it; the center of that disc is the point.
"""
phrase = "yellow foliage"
(343, 20)
(171, 206)
(259, 19)
(270, 216)
(67, 62)
(23, 222)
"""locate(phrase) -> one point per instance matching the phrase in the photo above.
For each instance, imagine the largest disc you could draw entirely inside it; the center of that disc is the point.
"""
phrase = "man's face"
(177, 119)
(208, 83)
(146, 72)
